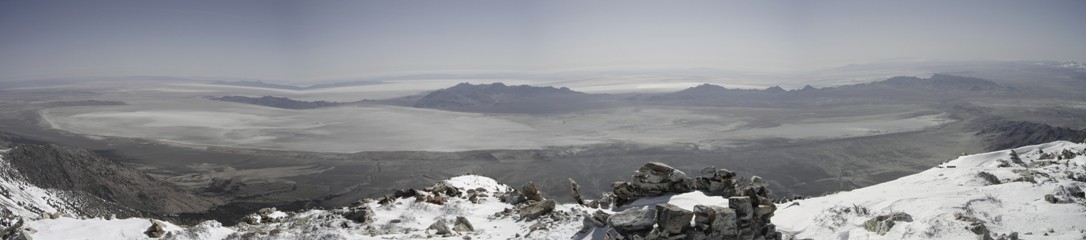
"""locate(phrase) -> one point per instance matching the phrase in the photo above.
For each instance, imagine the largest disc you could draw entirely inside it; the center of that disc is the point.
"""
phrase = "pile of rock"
(747, 215)
(652, 179)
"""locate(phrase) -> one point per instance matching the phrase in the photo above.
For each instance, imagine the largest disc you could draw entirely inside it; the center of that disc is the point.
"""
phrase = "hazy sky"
(319, 40)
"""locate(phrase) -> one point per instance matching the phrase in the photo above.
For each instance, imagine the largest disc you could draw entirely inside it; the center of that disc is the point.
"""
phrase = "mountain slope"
(1035, 193)
(84, 172)
(987, 193)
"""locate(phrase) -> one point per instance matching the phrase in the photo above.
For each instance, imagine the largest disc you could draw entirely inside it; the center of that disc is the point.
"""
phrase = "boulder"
(576, 192)
(531, 192)
(633, 219)
(718, 222)
(882, 224)
(440, 228)
(443, 188)
(655, 172)
(156, 230)
(362, 214)
(536, 209)
(672, 219)
(597, 219)
(462, 225)
(1051, 198)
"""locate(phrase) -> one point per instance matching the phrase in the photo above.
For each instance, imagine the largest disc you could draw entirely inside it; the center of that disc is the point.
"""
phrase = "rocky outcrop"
(440, 228)
(882, 224)
(536, 209)
(652, 179)
(633, 220)
(747, 216)
(672, 219)
(87, 173)
(1012, 134)
(156, 230)
(463, 225)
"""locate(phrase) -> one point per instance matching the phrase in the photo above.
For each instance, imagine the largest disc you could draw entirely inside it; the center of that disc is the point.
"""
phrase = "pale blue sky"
(320, 40)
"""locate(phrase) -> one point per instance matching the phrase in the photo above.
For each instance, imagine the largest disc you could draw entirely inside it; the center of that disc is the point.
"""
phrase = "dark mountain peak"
(901, 80)
(498, 97)
(704, 88)
(498, 87)
(940, 81)
(775, 89)
(276, 102)
(808, 88)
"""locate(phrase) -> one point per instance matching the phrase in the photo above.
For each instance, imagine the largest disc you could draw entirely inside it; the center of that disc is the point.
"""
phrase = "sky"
(299, 41)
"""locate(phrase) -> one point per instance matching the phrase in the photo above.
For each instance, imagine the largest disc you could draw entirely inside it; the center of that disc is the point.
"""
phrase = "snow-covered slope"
(26, 200)
(946, 201)
(988, 193)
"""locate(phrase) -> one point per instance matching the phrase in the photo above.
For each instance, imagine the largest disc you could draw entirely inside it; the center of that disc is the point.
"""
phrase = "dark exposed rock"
(361, 214)
(536, 209)
(652, 179)
(633, 219)
(440, 228)
(672, 219)
(576, 192)
(1051, 198)
(441, 188)
(531, 192)
(715, 221)
(977, 228)
(597, 219)
(1011, 134)
(882, 224)
(156, 230)
(462, 225)
(988, 177)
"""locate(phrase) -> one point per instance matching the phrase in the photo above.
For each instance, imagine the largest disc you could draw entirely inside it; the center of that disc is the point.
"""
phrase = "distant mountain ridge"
(501, 98)
(277, 102)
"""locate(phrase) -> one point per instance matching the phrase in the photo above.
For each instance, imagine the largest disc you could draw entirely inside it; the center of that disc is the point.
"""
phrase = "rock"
(597, 219)
(462, 225)
(882, 224)
(654, 172)
(576, 192)
(536, 209)
(537, 226)
(156, 230)
(1051, 198)
(672, 219)
(744, 210)
(440, 228)
(633, 219)
(252, 219)
(977, 228)
(512, 197)
(988, 177)
(443, 188)
(531, 192)
(363, 215)
(718, 222)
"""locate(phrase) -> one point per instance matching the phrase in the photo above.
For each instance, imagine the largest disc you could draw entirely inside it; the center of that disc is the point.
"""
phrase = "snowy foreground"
(1038, 198)
(944, 201)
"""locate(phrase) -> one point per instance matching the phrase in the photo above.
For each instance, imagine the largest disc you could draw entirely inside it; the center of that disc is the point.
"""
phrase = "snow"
(933, 197)
(97, 228)
(684, 201)
(476, 181)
